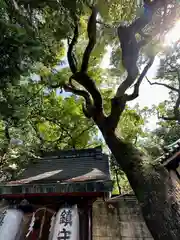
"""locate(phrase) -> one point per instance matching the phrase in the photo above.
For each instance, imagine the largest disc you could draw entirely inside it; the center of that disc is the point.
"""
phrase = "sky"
(150, 94)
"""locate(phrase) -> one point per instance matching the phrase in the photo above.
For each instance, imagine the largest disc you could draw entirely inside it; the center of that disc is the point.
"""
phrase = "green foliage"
(169, 62)
(168, 132)
(168, 74)
(45, 121)
(117, 10)
(121, 184)
(131, 125)
(33, 44)
(131, 128)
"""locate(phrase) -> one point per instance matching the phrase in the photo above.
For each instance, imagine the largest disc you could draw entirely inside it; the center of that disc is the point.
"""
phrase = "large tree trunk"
(157, 193)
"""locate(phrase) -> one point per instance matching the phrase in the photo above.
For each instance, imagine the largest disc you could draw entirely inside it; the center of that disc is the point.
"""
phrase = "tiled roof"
(171, 156)
(62, 172)
(68, 166)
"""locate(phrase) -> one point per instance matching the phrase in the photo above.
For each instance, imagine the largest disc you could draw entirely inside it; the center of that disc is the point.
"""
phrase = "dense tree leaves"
(43, 121)
(168, 111)
(32, 45)
(169, 77)
(169, 133)
(36, 116)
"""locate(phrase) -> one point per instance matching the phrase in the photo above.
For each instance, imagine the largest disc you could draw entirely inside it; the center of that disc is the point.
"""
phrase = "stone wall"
(119, 219)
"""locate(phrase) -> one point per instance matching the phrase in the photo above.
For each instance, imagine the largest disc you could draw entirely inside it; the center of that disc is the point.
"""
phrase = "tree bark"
(157, 193)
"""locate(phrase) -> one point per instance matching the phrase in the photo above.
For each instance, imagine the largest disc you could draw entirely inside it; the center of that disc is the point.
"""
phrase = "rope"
(42, 224)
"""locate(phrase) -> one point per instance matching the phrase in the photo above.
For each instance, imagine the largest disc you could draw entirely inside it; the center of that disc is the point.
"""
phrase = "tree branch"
(71, 88)
(33, 125)
(105, 25)
(91, 29)
(130, 51)
(162, 84)
(176, 111)
(7, 133)
(117, 107)
(119, 102)
(176, 115)
(70, 55)
(135, 93)
(41, 138)
(62, 128)
(81, 77)
(173, 118)
(88, 107)
(176, 107)
(90, 85)
(33, 96)
(75, 139)
(143, 21)
(86, 129)
(130, 47)
(6, 145)
(78, 92)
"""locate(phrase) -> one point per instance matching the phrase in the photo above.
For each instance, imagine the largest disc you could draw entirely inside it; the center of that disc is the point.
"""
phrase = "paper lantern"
(11, 222)
(67, 224)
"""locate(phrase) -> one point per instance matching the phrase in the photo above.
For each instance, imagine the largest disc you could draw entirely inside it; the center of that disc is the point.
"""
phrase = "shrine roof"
(85, 170)
(171, 156)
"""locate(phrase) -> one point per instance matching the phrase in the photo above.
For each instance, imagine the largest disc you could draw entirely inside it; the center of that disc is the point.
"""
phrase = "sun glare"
(173, 35)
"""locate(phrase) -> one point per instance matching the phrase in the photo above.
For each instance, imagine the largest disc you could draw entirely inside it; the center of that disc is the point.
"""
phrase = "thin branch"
(34, 95)
(176, 111)
(176, 115)
(58, 85)
(58, 123)
(135, 93)
(42, 139)
(7, 133)
(88, 106)
(64, 129)
(6, 145)
(162, 84)
(105, 24)
(78, 92)
(91, 29)
(33, 125)
(86, 129)
(166, 118)
(75, 139)
(70, 55)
